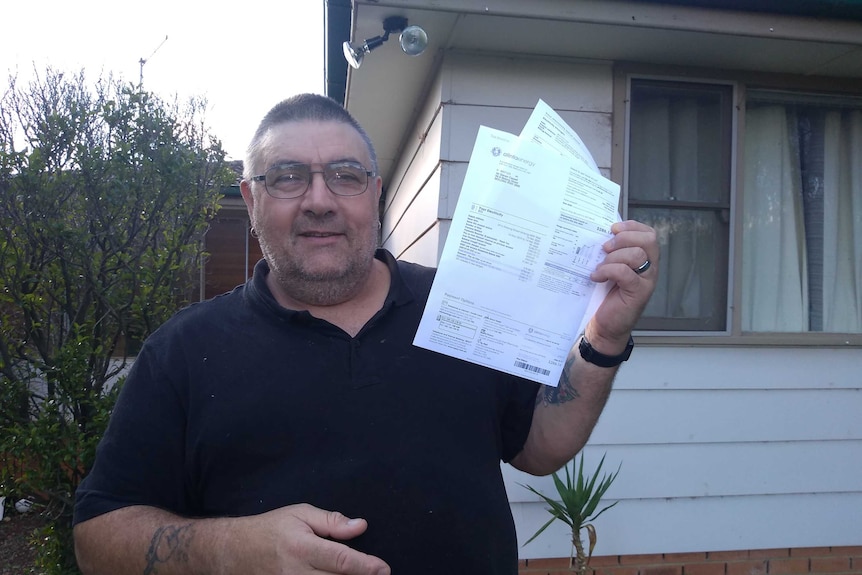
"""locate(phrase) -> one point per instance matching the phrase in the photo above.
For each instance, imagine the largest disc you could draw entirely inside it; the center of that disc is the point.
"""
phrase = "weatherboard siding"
(723, 448)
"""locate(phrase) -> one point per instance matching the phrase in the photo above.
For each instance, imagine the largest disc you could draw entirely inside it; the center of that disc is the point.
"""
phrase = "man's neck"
(353, 313)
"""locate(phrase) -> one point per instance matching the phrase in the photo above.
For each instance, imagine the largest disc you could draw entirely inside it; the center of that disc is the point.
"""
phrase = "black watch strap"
(591, 355)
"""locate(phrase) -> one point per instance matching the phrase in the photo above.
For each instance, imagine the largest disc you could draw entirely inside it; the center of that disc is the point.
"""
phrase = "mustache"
(311, 229)
(313, 224)
(305, 224)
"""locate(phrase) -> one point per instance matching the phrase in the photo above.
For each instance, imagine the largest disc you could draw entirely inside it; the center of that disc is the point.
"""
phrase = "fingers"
(633, 281)
(330, 556)
(632, 252)
(633, 234)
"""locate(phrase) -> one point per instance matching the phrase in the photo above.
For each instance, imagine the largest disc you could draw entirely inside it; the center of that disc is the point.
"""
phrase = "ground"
(16, 552)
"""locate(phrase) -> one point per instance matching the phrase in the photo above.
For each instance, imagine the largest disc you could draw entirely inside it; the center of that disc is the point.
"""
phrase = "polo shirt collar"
(258, 294)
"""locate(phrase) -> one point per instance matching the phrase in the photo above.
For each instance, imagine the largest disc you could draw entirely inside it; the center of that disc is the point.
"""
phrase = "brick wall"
(819, 560)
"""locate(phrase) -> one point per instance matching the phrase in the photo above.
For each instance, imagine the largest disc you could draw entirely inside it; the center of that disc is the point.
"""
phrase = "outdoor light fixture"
(413, 40)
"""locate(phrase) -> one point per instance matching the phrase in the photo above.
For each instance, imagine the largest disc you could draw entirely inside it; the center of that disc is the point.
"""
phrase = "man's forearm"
(296, 539)
(565, 415)
(145, 541)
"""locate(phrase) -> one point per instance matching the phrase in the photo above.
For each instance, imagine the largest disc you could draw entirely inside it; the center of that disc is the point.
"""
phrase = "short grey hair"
(298, 108)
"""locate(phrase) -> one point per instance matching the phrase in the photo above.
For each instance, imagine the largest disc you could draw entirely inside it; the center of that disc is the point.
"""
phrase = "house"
(735, 128)
(231, 249)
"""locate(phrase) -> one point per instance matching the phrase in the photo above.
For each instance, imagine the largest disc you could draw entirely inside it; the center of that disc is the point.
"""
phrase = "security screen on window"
(678, 181)
(802, 224)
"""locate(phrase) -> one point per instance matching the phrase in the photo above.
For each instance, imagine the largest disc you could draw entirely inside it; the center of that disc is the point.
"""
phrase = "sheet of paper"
(546, 128)
(512, 287)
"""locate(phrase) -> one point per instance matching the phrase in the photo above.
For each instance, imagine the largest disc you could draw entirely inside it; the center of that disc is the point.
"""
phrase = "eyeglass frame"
(262, 178)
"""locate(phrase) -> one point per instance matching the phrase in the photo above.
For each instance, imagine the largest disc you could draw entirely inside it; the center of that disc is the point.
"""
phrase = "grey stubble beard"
(325, 288)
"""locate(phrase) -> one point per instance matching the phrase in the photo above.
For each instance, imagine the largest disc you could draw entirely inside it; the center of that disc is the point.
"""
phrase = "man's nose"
(318, 193)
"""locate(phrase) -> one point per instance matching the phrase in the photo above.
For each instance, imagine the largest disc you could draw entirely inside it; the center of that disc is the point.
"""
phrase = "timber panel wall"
(232, 253)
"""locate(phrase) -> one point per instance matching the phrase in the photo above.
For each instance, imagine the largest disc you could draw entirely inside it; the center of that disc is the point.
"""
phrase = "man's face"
(319, 246)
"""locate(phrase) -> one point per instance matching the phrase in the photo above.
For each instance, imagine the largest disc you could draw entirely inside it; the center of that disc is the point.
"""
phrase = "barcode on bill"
(533, 368)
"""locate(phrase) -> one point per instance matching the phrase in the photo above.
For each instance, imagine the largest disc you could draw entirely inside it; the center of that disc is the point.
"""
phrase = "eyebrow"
(351, 160)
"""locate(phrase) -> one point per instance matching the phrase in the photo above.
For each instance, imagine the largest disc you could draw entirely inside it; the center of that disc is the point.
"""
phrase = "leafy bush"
(105, 192)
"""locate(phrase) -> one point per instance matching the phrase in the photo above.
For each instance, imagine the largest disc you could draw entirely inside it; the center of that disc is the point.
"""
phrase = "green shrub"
(105, 192)
(577, 506)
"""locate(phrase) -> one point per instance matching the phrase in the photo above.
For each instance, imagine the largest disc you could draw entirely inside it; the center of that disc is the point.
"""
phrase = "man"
(291, 427)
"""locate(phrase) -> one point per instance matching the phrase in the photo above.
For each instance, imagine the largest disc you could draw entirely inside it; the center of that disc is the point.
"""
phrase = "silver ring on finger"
(643, 267)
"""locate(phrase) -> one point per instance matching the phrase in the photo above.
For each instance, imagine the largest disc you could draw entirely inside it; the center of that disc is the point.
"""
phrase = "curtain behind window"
(802, 229)
(678, 182)
(842, 253)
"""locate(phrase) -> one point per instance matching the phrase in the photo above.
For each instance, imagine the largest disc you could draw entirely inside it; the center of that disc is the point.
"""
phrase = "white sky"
(244, 56)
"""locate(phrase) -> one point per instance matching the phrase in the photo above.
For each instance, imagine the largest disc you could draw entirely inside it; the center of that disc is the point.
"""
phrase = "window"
(798, 207)
(679, 183)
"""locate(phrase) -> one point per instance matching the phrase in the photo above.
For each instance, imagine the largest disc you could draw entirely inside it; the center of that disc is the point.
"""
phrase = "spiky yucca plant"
(577, 507)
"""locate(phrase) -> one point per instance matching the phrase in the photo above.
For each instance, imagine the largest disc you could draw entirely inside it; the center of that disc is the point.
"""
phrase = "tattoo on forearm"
(169, 543)
(564, 392)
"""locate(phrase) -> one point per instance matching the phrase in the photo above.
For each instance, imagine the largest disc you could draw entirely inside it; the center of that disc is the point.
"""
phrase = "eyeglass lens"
(292, 180)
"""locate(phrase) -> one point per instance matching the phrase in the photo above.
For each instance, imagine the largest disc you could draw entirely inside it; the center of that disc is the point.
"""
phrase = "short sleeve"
(140, 459)
(517, 416)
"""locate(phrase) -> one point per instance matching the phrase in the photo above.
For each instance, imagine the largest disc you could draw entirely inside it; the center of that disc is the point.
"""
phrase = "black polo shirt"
(237, 406)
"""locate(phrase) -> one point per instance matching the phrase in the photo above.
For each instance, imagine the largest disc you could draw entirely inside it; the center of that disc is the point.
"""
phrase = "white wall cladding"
(637, 526)
(722, 448)
(472, 90)
(503, 81)
(410, 222)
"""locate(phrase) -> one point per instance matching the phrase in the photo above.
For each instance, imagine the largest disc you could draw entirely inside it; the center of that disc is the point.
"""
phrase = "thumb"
(331, 523)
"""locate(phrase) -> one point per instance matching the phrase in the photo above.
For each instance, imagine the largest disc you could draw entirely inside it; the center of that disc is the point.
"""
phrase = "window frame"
(665, 325)
(741, 81)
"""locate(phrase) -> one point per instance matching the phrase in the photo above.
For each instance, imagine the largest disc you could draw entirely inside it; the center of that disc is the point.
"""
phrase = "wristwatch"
(591, 355)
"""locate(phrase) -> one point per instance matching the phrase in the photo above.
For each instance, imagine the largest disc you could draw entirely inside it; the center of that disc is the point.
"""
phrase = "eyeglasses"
(286, 181)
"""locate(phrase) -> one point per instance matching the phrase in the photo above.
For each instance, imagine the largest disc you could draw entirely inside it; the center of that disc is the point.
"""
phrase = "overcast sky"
(242, 56)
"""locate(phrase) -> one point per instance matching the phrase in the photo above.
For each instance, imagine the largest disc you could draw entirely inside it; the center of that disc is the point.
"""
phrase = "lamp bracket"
(394, 24)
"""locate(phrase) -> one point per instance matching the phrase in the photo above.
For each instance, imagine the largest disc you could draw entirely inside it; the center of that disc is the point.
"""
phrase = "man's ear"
(248, 198)
(378, 183)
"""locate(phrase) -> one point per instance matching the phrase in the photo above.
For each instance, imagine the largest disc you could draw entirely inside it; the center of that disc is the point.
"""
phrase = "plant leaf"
(579, 496)
(591, 532)
(539, 532)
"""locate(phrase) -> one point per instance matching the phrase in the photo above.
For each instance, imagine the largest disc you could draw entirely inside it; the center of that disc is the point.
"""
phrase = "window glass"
(679, 182)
